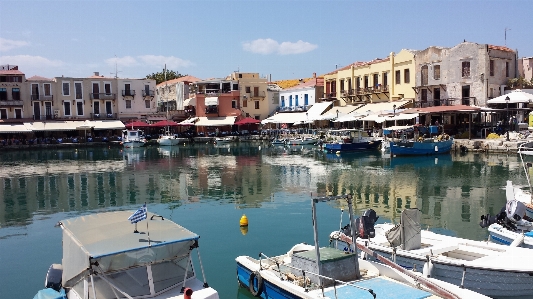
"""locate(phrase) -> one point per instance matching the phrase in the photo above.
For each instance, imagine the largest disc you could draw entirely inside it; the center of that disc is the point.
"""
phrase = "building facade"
(13, 91)
(174, 98)
(302, 96)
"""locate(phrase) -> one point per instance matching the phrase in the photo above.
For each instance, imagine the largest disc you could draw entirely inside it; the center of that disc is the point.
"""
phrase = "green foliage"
(519, 82)
(159, 77)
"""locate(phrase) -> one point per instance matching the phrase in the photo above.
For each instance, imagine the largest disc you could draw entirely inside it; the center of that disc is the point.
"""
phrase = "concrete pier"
(499, 145)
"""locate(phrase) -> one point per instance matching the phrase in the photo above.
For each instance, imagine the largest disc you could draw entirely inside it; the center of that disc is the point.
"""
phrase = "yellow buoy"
(244, 230)
(244, 220)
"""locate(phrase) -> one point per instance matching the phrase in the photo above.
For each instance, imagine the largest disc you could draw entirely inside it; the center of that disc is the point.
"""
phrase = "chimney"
(314, 75)
(96, 74)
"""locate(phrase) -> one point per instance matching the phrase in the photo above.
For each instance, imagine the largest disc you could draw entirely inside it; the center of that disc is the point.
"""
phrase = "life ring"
(255, 275)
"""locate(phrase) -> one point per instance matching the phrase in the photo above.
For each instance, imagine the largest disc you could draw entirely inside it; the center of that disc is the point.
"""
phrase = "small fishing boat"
(133, 138)
(351, 140)
(220, 140)
(491, 269)
(314, 272)
(168, 140)
(429, 146)
(278, 141)
(306, 140)
(106, 256)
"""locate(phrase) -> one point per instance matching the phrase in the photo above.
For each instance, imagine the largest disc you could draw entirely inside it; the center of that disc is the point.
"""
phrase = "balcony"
(148, 93)
(41, 97)
(469, 101)
(102, 96)
(260, 94)
(11, 103)
(128, 93)
(103, 116)
(44, 117)
(434, 102)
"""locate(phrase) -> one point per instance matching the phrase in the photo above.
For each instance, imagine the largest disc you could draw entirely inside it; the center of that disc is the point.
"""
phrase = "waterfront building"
(302, 96)
(176, 97)
(41, 104)
(13, 91)
(466, 74)
(138, 99)
(525, 68)
(380, 80)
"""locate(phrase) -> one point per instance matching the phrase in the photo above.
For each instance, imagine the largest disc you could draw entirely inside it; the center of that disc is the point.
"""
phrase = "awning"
(516, 96)
(55, 125)
(188, 122)
(342, 111)
(14, 128)
(374, 117)
(316, 110)
(381, 108)
(441, 109)
(189, 102)
(211, 101)
(286, 118)
(403, 116)
(215, 121)
(108, 125)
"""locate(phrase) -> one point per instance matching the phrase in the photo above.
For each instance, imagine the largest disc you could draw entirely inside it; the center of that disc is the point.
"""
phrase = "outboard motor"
(53, 277)
(365, 224)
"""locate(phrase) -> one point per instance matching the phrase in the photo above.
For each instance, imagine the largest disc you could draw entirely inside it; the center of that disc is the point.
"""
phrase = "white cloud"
(150, 61)
(28, 61)
(8, 44)
(171, 61)
(269, 46)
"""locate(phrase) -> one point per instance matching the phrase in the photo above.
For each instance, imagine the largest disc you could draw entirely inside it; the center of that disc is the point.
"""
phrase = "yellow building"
(380, 80)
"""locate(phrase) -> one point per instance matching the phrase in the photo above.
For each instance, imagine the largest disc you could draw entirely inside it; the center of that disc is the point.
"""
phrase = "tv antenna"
(116, 68)
(505, 37)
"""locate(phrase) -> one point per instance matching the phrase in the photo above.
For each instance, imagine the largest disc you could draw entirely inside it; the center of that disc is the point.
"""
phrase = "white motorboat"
(278, 141)
(220, 140)
(133, 138)
(302, 141)
(168, 140)
(104, 256)
(297, 274)
(491, 269)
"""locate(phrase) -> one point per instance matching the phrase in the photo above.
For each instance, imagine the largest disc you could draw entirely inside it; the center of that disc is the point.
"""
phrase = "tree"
(159, 77)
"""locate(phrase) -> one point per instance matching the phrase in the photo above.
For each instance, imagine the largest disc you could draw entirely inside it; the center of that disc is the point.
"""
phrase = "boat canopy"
(109, 239)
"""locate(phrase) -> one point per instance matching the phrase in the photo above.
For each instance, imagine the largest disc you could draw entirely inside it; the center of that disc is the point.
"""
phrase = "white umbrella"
(516, 96)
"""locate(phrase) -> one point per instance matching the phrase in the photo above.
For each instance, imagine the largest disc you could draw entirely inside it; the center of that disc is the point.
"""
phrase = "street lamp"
(394, 109)
(507, 99)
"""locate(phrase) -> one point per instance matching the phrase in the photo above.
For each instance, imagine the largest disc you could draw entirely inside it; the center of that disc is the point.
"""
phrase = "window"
(78, 90)
(234, 104)
(96, 108)
(290, 100)
(406, 77)
(256, 104)
(296, 101)
(3, 113)
(398, 79)
(79, 108)
(66, 88)
(375, 80)
(108, 108)
(465, 69)
(282, 101)
(491, 68)
(128, 104)
(244, 103)
(127, 90)
(366, 82)
(48, 110)
(3, 94)
(256, 92)
(384, 79)
(34, 91)
(66, 106)
(147, 104)
(15, 92)
(424, 75)
(18, 113)
(107, 88)
(436, 72)
(247, 88)
(507, 69)
(342, 84)
(47, 89)
(491, 92)
(306, 99)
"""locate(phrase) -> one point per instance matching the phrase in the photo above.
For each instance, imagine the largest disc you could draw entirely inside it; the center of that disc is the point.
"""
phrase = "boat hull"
(269, 290)
(356, 146)
(499, 234)
(168, 141)
(421, 148)
(133, 144)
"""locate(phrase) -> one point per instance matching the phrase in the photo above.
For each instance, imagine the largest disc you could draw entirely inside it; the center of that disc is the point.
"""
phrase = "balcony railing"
(11, 103)
(128, 93)
(148, 93)
(260, 94)
(41, 97)
(102, 96)
(103, 116)
(468, 101)
(434, 102)
(44, 117)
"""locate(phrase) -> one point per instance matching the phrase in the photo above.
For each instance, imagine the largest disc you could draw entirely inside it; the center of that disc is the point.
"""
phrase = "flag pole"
(147, 231)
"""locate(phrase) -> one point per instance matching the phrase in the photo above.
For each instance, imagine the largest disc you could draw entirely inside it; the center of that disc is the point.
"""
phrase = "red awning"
(247, 121)
(165, 123)
(439, 109)
(136, 124)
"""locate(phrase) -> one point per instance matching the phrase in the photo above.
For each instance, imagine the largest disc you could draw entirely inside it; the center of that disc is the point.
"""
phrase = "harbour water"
(207, 188)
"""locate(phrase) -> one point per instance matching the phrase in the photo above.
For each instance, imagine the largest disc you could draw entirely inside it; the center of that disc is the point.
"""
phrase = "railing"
(260, 94)
(148, 93)
(434, 103)
(330, 95)
(468, 101)
(128, 93)
(102, 96)
(11, 103)
(44, 117)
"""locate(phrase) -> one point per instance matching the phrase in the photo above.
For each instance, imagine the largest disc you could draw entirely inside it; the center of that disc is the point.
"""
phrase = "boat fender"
(436, 148)
(427, 271)
(253, 276)
(53, 277)
(518, 241)
(187, 293)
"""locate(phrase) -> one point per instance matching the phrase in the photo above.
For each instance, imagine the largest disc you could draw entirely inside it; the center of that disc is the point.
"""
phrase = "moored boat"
(133, 138)
(168, 140)
(440, 145)
(306, 140)
(314, 272)
(351, 140)
(490, 269)
(105, 256)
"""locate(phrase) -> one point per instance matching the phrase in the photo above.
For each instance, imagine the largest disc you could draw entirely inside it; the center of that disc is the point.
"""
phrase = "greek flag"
(139, 215)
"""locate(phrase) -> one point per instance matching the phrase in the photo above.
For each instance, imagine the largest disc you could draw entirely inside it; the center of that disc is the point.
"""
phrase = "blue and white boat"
(133, 138)
(351, 140)
(428, 146)
(314, 272)
(105, 256)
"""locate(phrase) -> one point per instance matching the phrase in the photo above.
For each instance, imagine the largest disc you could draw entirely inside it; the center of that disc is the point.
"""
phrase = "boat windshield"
(136, 281)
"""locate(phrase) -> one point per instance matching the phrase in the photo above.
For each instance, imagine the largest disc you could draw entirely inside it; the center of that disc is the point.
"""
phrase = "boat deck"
(386, 288)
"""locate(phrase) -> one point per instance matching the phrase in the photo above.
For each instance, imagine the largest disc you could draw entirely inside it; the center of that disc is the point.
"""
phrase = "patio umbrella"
(516, 96)
(247, 121)
(136, 124)
(165, 123)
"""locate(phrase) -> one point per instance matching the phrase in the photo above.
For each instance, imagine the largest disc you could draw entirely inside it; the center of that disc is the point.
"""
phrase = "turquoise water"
(207, 189)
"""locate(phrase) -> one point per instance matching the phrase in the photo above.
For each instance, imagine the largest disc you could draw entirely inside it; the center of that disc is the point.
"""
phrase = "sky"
(280, 40)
